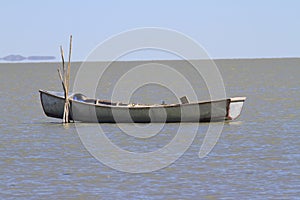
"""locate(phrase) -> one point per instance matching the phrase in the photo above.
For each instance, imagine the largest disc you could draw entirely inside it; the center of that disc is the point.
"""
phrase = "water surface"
(256, 157)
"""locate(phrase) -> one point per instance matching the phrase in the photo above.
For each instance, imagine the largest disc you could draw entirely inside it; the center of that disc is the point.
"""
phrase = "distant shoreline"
(20, 58)
(36, 61)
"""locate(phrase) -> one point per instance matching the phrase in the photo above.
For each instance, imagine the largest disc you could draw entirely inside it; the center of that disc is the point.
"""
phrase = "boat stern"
(235, 107)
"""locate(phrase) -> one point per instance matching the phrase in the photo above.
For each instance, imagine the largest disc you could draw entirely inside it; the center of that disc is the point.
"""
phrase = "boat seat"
(184, 100)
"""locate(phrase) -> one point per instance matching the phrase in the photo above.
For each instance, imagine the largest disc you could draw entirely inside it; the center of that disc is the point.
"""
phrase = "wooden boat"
(94, 110)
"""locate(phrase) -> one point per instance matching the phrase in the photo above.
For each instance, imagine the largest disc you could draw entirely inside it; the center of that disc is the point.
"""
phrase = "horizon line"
(145, 60)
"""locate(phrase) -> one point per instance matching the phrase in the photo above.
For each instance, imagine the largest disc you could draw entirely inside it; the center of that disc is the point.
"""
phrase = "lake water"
(256, 157)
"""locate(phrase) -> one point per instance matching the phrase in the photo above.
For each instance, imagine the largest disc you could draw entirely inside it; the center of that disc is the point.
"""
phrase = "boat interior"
(83, 98)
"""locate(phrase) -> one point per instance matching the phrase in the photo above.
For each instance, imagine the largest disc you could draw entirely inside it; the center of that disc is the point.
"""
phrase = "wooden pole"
(69, 63)
(65, 79)
(63, 62)
(62, 80)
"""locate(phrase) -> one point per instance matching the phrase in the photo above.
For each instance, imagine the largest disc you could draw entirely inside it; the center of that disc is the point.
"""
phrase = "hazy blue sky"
(226, 29)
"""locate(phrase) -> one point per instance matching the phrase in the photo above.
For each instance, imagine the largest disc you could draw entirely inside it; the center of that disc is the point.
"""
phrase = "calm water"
(257, 156)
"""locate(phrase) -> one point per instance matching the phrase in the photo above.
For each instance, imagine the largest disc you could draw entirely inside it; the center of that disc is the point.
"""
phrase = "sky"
(226, 29)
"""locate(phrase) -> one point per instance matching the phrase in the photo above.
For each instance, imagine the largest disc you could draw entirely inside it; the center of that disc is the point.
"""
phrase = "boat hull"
(91, 111)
